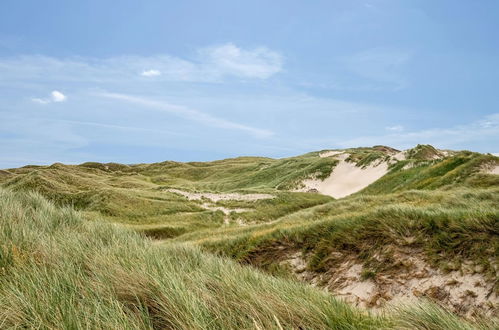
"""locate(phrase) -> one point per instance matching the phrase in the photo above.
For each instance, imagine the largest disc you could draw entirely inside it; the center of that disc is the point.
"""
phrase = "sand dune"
(346, 178)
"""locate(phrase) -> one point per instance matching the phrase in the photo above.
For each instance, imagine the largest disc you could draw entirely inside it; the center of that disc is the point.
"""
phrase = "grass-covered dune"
(58, 271)
(77, 238)
(445, 225)
(455, 234)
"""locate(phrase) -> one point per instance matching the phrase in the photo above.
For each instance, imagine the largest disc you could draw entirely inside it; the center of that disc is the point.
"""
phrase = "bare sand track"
(221, 197)
(213, 197)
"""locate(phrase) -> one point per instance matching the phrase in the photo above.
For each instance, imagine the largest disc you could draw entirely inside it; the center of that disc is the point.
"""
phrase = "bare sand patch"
(491, 170)
(400, 155)
(346, 178)
(464, 291)
(221, 197)
(329, 153)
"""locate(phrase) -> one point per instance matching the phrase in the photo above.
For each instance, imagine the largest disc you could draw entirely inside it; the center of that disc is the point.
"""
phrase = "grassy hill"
(417, 232)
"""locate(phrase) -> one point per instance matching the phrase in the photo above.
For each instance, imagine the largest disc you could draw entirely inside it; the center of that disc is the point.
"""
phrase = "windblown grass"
(60, 271)
(448, 226)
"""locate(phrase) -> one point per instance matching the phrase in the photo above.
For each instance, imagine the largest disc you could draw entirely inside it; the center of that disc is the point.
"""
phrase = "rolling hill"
(368, 237)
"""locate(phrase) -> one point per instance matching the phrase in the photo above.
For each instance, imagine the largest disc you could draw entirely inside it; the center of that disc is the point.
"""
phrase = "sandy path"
(225, 211)
(221, 197)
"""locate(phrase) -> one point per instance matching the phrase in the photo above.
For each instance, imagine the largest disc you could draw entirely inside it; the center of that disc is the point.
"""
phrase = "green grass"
(460, 170)
(60, 271)
(423, 152)
(100, 263)
(444, 225)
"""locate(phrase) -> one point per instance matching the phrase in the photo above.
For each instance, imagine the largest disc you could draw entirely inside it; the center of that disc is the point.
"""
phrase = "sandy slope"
(493, 170)
(464, 291)
(346, 178)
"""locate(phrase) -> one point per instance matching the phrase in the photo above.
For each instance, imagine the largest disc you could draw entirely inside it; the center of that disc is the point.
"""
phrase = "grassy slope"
(448, 226)
(446, 208)
(460, 170)
(59, 271)
(136, 195)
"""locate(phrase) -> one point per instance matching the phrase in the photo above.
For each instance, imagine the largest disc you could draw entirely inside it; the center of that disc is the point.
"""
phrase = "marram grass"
(59, 271)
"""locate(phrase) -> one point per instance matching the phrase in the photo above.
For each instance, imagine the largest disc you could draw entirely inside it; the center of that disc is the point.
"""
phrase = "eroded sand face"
(464, 291)
(346, 178)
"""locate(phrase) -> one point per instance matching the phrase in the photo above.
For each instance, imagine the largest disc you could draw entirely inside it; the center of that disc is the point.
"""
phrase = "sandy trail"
(226, 211)
(346, 178)
(221, 197)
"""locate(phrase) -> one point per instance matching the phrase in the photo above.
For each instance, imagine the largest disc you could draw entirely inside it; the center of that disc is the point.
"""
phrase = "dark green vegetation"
(54, 259)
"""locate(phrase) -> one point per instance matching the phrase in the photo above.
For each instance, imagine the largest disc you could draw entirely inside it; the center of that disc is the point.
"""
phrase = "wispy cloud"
(119, 127)
(211, 64)
(189, 114)
(485, 130)
(395, 128)
(229, 59)
(55, 96)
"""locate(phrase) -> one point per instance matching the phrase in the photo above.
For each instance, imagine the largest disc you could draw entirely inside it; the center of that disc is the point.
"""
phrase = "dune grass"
(448, 227)
(60, 271)
(97, 268)
(460, 170)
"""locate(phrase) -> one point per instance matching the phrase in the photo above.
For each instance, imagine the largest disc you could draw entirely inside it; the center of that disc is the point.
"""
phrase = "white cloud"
(188, 113)
(396, 128)
(58, 96)
(151, 73)
(55, 96)
(211, 64)
(229, 59)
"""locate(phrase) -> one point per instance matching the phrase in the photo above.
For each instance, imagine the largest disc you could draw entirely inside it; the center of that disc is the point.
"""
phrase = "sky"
(148, 81)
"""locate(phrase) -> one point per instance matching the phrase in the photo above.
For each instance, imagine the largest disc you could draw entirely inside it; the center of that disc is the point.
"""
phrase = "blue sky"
(145, 81)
